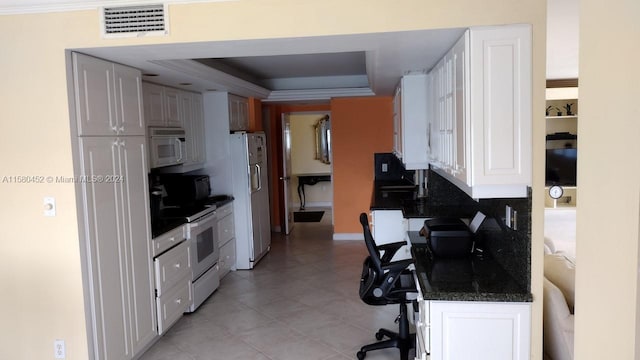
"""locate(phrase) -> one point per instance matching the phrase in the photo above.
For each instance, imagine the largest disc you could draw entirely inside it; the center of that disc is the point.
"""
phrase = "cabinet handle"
(177, 265)
(172, 239)
(114, 129)
(121, 129)
(179, 301)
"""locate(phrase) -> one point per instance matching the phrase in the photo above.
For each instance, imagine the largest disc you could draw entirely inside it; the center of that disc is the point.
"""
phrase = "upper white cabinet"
(410, 121)
(480, 116)
(108, 98)
(192, 115)
(168, 107)
(162, 106)
(238, 113)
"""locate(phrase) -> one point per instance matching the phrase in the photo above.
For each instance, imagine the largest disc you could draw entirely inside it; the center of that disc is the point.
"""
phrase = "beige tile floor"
(300, 302)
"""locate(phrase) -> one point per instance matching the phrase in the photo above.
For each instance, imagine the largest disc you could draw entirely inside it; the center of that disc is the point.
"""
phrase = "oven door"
(203, 249)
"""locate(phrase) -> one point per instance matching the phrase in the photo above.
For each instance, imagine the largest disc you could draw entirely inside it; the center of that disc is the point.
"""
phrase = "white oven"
(202, 235)
(167, 146)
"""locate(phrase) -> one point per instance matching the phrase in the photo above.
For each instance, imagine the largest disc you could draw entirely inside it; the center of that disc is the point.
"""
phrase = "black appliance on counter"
(448, 237)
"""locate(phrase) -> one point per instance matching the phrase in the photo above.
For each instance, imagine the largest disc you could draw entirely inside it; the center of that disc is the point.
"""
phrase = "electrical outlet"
(59, 351)
(510, 217)
(385, 167)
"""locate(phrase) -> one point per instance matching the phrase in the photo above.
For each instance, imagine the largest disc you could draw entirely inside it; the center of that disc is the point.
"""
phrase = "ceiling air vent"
(134, 20)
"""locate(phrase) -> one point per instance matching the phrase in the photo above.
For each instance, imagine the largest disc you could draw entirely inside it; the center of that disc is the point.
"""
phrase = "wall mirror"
(323, 139)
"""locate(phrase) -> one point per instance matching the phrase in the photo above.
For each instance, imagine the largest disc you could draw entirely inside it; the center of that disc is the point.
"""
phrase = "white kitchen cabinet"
(238, 113)
(388, 226)
(410, 121)
(482, 121)
(108, 98)
(162, 106)
(226, 239)
(118, 244)
(462, 330)
(172, 284)
(192, 115)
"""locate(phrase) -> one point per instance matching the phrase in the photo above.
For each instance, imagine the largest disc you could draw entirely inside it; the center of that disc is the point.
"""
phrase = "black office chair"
(385, 282)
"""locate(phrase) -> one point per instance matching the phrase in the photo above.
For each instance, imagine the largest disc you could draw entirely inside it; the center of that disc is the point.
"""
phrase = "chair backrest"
(374, 253)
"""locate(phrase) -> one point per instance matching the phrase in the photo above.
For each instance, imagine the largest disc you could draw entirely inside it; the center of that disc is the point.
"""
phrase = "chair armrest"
(390, 250)
(393, 271)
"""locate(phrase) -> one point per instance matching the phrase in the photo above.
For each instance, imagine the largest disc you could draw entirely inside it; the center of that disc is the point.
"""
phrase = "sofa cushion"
(561, 271)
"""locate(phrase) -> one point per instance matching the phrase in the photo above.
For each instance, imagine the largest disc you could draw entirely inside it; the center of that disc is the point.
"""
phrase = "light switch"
(49, 206)
(385, 167)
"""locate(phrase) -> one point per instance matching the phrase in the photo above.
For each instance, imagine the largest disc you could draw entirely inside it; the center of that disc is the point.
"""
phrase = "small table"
(309, 179)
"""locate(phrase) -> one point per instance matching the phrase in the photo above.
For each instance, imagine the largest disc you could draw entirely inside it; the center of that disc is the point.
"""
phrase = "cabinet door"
(460, 59)
(94, 96)
(186, 105)
(128, 101)
(479, 330)
(137, 222)
(106, 248)
(173, 117)
(413, 121)
(234, 114)
(153, 104)
(198, 125)
(118, 241)
(501, 105)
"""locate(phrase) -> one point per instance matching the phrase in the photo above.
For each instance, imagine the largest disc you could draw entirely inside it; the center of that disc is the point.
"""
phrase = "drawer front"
(226, 230)
(172, 304)
(172, 267)
(227, 258)
(167, 240)
(224, 210)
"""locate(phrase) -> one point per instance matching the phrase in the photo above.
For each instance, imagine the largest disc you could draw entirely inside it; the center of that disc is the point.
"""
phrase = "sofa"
(558, 304)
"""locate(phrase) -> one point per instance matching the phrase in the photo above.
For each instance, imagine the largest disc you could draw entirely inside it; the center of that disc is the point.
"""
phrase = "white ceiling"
(307, 69)
(290, 69)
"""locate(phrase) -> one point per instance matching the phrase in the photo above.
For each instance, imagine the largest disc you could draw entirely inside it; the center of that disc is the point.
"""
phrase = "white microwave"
(167, 146)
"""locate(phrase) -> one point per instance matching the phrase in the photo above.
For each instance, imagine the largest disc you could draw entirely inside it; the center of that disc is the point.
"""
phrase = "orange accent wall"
(255, 115)
(360, 127)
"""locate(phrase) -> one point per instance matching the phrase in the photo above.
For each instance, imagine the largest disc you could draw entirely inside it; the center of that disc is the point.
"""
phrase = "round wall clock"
(556, 191)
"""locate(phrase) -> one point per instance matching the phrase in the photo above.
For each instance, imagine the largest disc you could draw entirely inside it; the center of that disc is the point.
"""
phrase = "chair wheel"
(379, 335)
(361, 355)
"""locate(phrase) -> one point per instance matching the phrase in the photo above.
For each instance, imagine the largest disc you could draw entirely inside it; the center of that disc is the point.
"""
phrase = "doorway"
(309, 192)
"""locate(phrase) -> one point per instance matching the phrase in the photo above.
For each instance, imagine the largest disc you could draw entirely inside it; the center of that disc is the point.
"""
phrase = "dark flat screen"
(561, 167)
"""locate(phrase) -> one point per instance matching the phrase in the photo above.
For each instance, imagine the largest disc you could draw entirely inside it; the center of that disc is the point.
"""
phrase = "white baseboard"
(348, 236)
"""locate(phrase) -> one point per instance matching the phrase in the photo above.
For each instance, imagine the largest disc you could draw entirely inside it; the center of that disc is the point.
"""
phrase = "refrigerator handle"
(259, 177)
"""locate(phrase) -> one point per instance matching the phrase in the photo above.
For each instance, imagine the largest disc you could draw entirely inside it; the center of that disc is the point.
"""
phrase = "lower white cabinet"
(172, 285)
(226, 239)
(118, 243)
(462, 330)
(389, 226)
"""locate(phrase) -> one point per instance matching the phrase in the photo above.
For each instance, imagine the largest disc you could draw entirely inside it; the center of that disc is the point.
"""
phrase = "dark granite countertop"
(398, 195)
(477, 277)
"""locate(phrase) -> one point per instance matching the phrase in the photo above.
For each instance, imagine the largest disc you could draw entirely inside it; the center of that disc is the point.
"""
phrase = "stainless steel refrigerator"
(251, 193)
